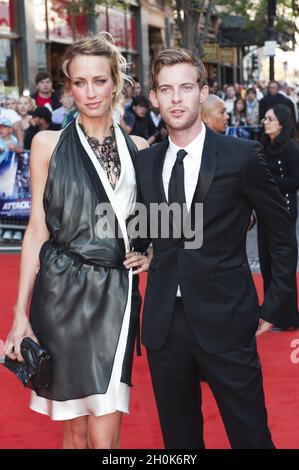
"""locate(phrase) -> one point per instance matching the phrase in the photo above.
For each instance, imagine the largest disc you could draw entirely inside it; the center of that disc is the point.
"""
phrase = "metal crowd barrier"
(245, 132)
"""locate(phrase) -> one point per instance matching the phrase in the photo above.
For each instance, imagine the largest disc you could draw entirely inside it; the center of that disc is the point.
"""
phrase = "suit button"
(279, 162)
(282, 175)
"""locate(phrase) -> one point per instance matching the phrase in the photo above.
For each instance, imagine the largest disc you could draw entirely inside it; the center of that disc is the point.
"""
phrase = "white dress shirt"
(192, 162)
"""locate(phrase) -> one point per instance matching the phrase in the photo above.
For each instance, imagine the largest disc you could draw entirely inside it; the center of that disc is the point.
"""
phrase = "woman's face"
(91, 85)
(23, 106)
(272, 126)
(240, 105)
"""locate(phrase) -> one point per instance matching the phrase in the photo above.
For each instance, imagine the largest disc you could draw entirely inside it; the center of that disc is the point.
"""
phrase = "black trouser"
(289, 316)
(234, 377)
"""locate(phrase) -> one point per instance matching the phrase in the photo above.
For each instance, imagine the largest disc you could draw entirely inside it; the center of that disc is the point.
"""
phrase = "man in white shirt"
(201, 313)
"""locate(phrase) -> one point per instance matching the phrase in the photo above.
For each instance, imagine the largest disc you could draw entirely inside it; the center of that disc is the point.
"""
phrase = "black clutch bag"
(35, 371)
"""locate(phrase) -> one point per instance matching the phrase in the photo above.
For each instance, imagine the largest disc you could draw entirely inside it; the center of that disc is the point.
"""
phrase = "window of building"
(8, 47)
(6, 16)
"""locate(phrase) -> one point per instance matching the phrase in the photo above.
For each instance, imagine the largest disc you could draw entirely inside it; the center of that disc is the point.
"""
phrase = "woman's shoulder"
(140, 142)
(44, 143)
(47, 138)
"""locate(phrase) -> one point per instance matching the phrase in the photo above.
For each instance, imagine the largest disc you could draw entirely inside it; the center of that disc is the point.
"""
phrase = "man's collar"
(194, 146)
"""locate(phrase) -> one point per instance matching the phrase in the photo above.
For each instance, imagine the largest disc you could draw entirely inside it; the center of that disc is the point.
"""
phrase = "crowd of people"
(240, 106)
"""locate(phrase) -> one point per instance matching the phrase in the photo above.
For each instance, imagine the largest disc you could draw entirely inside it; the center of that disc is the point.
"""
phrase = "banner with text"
(15, 195)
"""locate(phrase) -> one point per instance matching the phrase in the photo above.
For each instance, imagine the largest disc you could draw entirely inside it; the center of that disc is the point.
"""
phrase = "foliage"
(256, 14)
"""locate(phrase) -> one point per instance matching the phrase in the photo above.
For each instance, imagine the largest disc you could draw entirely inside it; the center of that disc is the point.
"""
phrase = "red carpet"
(22, 428)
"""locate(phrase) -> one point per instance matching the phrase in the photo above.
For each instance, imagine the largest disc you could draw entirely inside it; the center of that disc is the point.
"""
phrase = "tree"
(190, 14)
(193, 17)
(188, 17)
(256, 14)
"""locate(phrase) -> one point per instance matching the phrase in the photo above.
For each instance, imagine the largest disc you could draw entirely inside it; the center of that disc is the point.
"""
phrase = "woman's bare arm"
(135, 259)
(36, 234)
(140, 142)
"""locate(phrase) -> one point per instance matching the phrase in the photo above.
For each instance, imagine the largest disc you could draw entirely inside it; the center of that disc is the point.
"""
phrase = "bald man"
(214, 114)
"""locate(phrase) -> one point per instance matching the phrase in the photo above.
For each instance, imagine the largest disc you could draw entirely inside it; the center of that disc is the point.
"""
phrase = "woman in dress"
(281, 146)
(83, 192)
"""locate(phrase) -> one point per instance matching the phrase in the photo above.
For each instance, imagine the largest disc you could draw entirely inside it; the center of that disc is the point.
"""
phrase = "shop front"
(9, 50)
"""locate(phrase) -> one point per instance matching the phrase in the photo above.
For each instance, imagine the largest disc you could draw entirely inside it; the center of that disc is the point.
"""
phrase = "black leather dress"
(81, 289)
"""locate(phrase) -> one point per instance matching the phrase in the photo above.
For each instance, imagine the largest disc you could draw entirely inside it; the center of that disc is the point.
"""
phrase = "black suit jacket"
(284, 166)
(217, 288)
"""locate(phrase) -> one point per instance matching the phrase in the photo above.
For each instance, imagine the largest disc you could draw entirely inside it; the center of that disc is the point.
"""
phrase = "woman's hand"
(264, 327)
(20, 328)
(137, 260)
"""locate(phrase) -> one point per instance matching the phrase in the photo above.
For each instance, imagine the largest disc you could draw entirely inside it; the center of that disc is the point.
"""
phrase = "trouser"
(234, 377)
(289, 315)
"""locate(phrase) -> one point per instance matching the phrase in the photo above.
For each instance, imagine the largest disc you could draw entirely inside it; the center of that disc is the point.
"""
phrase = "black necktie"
(176, 188)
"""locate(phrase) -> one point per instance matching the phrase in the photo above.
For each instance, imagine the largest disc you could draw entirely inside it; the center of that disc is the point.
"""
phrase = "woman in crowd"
(238, 116)
(24, 105)
(281, 146)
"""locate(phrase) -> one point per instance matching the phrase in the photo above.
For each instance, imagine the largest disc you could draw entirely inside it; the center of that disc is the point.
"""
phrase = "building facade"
(35, 33)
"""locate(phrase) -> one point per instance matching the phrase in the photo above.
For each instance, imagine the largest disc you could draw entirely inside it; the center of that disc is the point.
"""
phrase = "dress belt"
(78, 260)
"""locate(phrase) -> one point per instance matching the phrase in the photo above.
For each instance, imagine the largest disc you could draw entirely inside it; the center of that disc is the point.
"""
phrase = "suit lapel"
(209, 161)
(208, 166)
(159, 158)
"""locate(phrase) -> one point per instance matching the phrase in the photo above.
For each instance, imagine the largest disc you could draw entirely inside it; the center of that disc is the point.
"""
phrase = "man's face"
(230, 92)
(45, 86)
(67, 101)
(35, 121)
(140, 110)
(178, 96)
(251, 97)
(273, 88)
(218, 118)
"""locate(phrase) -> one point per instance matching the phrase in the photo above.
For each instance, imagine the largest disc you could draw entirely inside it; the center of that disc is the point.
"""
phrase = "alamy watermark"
(155, 221)
(295, 353)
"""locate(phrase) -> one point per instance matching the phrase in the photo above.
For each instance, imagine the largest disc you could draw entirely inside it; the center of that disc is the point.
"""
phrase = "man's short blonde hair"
(177, 56)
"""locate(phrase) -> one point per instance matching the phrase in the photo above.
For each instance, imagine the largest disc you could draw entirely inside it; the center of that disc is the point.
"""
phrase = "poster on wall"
(15, 195)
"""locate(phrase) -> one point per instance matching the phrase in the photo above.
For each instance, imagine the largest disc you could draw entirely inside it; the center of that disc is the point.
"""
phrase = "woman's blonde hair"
(102, 44)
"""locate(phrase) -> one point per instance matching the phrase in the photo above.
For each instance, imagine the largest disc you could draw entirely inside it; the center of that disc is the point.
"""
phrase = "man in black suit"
(273, 98)
(201, 310)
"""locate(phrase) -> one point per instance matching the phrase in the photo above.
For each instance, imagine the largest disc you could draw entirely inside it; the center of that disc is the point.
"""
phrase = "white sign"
(270, 47)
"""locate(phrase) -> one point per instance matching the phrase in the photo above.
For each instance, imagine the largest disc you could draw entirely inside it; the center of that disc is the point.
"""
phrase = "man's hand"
(264, 327)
